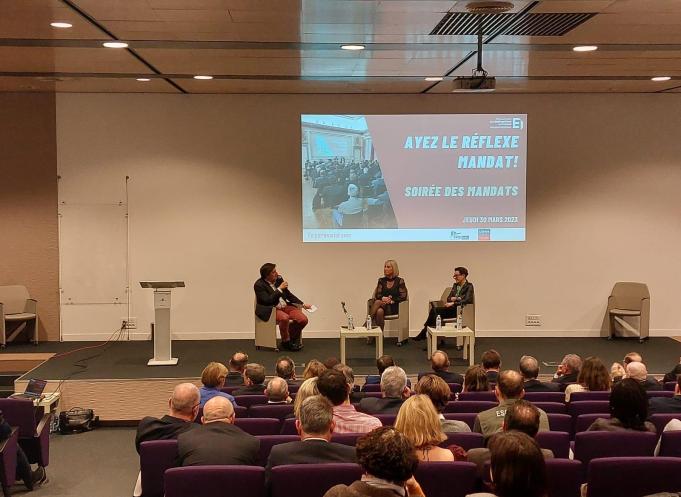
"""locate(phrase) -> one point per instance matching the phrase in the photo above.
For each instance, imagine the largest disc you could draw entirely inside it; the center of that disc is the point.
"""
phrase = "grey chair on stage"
(629, 310)
(395, 323)
(18, 312)
(467, 314)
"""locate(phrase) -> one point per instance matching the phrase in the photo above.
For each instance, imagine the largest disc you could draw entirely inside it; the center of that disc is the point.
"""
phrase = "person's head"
(491, 360)
(238, 362)
(436, 389)
(286, 368)
(460, 275)
(277, 390)
(475, 379)
(268, 272)
(390, 268)
(517, 465)
(331, 362)
(529, 367)
(509, 385)
(213, 375)
(394, 382)
(387, 454)
(439, 361)
(617, 371)
(307, 389)
(571, 363)
(333, 385)
(594, 375)
(383, 362)
(637, 371)
(313, 369)
(632, 357)
(353, 190)
(522, 416)
(254, 374)
(629, 404)
(184, 402)
(419, 421)
(218, 409)
(315, 418)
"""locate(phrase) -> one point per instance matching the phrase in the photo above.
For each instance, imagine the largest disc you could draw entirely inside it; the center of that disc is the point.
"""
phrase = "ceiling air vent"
(465, 23)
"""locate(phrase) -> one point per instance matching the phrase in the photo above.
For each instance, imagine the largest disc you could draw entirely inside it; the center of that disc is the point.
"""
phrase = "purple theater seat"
(596, 444)
(670, 386)
(586, 396)
(544, 397)
(560, 422)
(466, 417)
(583, 421)
(259, 426)
(279, 411)
(469, 406)
(670, 445)
(288, 427)
(552, 407)
(216, 481)
(576, 409)
(231, 388)
(565, 477)
(659, 393)
(556, 441)
(293, 390)
(156, 457)
(346, 438)
(465, 440)
(8, 461)
(269, 441)
(661, 420)
(633, 476)
(372, 387)
(455, 387)
(479, 396)
(446, 479)
(241, 411)
(386, 419)
(250, 400)
(34, 434)
(311, 480)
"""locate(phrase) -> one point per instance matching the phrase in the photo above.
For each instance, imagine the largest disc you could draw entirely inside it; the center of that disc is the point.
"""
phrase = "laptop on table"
(34, 390)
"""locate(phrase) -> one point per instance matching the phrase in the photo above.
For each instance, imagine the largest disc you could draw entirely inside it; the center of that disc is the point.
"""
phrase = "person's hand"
(452, 299)
(413, 488)
(385, 300)
(449, 304)
(284, 285)
(307, 306)
(561, 370)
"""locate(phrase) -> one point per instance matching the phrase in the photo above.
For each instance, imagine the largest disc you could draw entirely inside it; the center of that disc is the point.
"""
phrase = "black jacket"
(267, 298)
(166, 428)
(540, 386)
(662, 405)
(374, 405)
(448, 376)
(467, 294)
(217, 443)
(310, 452)
(567, 378)
(234, 378)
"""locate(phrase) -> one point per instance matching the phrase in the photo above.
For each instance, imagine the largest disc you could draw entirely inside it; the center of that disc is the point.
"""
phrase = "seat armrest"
(31, 306)
(45, 420)
(4, 443)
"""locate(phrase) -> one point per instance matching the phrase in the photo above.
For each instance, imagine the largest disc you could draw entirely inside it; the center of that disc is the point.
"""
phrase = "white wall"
(214, 192)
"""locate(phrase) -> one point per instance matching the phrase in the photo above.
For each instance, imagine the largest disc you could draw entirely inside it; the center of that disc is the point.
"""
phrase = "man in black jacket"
(529, 368)
(568, 371)
(394, 390)
(439, 362)
(236, 365)
(271, 292)
(661, 405)
(217, 441)
(254, 380)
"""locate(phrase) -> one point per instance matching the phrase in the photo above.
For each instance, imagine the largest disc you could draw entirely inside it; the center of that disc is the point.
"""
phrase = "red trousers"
(294, 329)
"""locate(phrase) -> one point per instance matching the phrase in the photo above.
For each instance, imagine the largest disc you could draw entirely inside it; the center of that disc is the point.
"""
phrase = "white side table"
(449, 331)
(361, 332)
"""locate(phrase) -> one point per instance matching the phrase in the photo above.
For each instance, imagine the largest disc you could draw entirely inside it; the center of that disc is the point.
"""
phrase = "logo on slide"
(507, 123)
(484, 234)
(455, 235)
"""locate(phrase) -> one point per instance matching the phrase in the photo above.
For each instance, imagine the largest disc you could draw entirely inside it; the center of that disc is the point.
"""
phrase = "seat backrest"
(215, 480)
(455, 387)
(487, 396)
(311, 480)
(670, 444)
(446, 479)
(544, 397)
(588, 407)
(372, 387)
(288, 427)
(20, 413)
(250, 400)
(386, 419)
(669, 385)
(584, 396)
(156, 457)
(560, 422)
(466, 417)
(269, 441)
(583, 421)
(661, 420)
(659, 393)
(565, 477)
(595, 444)
(241, 411)
(13, 298)
(557, 442)
(259, 426)
(554, 407)
(466, 440)
(628, 295)
(469, 406)
(346, 438)
(279, 411)
(633, 476)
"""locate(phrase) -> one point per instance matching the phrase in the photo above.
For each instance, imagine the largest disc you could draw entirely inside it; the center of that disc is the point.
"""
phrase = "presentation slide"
(427, 177)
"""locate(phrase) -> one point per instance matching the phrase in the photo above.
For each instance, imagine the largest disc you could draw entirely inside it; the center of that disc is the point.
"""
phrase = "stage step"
(7, 382)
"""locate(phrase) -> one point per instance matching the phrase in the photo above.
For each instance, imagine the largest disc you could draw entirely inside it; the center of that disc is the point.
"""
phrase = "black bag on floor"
(77, 420)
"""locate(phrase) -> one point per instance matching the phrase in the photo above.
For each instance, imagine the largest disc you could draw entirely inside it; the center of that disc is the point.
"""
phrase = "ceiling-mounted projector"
(474, 84)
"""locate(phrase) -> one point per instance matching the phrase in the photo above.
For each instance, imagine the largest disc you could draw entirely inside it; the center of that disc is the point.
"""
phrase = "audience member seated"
(529, 368)
(659, 405)
(439, 362)
(331, 362)
(217, 441)
(517, 467)
(356, 395)
(277, 391)
(637, 371)
(419, 422)
(491, 362)
(24, 472)
(628, 409)
(394, 390)
(254, 380)
(568, 370)
(382, 363)
(475, 379)
(673, 374)
(617, 372)
(593, 377)
(307, 389)
(354, 204)
(213, 379)
(285, 368)
(522, 416)
(315, 426)
(508, 391)
(439, 393)
(333, 385)
(237, 364)
(313, 369)
(388, 462)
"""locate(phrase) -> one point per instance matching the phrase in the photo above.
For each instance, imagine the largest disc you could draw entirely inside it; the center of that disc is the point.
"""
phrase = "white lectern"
(162, 340)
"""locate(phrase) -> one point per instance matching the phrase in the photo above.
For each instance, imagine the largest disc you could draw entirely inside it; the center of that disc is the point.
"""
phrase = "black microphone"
(344, 309)
(278, 281)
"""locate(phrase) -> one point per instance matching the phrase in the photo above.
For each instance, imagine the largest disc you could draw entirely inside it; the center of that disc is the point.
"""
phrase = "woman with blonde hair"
(418, 421)
(307, 389)
(213, 379)
(389, 292)
(313, 369)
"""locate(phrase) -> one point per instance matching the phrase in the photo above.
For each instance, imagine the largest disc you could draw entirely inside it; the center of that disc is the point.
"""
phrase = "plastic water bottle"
(459, 317)
(351, 322)
(438, 323)
(369, 322)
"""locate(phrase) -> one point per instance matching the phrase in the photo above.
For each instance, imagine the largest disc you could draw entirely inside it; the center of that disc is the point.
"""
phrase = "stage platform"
(116, 382)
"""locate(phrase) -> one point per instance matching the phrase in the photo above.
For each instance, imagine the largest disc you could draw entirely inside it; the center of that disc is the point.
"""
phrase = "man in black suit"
(271, 291)
(277, 391)
(237, 364)
(286, 369)
(638, 371)
(395, 392)
(491, 363)
(568, 371)
(183, 407)
(254, 380)
(217, 441)
(439, 362)
(661, 405)
(529, 368)
(315, 426)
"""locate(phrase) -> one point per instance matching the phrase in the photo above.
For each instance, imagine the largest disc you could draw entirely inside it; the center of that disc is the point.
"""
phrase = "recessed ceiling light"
(353, 47)
(661, 78)
(203, 77)
(62, 25)
(143, 79)
(585, 48)
(115, 44)
(434, 78)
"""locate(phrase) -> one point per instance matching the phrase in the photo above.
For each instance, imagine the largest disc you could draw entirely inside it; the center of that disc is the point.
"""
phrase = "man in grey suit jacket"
(395, 392)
